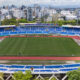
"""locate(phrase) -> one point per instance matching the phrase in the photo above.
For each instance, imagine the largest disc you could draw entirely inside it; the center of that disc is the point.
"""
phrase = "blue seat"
(13, 33)
(22, 32)
(1, 65)
(5, 33)
(15, 70)
(14, 66)
(72, 65)
(3, 69)
(68, 69)
(54, 66)
(35, 67)
(40, 29)
(69, 33)
(45, 71)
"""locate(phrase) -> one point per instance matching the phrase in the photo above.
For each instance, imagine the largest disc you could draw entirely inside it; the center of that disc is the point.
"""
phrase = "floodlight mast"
(0, 17)
(78, 16)
(77, 20)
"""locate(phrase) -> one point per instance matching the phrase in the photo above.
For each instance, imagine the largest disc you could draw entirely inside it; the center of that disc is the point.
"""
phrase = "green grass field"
(39, 47)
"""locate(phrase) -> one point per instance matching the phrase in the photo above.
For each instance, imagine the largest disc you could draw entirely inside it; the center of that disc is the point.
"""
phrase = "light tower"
(78, 15)
(0, 17)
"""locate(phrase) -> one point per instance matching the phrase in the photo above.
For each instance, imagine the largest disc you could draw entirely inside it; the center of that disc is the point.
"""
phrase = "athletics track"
(41, 58)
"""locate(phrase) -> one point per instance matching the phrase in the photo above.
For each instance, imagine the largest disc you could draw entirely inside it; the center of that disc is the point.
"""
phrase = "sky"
(58, 3)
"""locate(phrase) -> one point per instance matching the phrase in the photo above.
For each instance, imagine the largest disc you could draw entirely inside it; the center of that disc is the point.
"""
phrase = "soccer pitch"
(36, 46)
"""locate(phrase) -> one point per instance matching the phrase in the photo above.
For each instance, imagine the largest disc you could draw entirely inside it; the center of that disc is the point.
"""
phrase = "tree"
(42, 20)
(55, 18)
(18, 75)
(74, 75)
(1, 76)
(22, 21)
(22, 76)
(45, 79)
(60, 22)
(9, 22)
(27, 75)
(53, 79)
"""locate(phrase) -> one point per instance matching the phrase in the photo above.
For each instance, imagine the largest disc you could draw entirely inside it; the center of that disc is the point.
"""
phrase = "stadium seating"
(68, 69)
(43, 69)
(40, 29)
(54, 66)
(72, 65)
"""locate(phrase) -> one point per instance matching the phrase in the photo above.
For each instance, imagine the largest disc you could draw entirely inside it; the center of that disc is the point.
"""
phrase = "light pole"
(78, 17)
(0, 17)
(77, 20)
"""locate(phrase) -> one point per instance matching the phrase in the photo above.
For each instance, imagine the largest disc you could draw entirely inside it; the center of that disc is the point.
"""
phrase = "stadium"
(39, 41)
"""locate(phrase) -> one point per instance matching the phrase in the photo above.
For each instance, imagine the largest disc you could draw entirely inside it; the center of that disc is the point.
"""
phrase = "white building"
(64, 13)
(49, 19)
(2, 17)
(71, 17)
(5, 14)
(52, 12)
(8, 17)
(68, 15)
(4, 11)
(18, 13)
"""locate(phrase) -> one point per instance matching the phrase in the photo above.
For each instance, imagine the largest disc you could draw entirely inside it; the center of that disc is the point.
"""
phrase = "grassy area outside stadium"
(37, 46)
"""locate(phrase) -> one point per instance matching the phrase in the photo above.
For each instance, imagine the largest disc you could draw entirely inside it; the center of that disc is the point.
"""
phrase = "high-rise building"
(25, 13)
(29, 14)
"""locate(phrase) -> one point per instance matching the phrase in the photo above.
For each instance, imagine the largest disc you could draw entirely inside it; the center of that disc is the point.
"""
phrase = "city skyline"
(54, 3)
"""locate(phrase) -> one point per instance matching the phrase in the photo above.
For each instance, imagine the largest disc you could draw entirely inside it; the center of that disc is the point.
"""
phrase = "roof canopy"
(70, 26)
(6, 26)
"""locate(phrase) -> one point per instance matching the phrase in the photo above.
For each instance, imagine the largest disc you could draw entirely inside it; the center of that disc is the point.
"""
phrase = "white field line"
(77, 41)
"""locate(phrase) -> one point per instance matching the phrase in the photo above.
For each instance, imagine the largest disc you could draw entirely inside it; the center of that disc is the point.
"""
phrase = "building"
(64, 12)
(29, 14)
(69, 15)
(37, 11)
(18, 14)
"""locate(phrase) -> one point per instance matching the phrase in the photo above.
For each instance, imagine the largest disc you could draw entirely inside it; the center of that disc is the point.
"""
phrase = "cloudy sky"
(43, 2)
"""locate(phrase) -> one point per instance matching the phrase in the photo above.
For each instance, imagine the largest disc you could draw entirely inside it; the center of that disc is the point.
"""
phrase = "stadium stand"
(38, 29)
(40, 70)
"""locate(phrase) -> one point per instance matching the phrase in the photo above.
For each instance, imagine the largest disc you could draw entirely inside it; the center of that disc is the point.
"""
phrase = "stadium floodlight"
(77, 20)
(0, 17)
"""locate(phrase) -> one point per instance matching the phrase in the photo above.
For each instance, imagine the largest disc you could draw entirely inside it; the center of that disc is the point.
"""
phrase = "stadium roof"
(5, 26)
(26, 23)
(37, 24)
(34, 23)
(71, 26)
